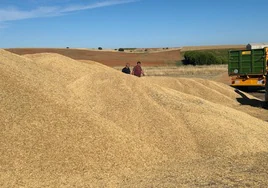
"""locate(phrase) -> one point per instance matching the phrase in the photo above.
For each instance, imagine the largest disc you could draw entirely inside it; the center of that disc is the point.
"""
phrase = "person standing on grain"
(137, 70)
(126, 69)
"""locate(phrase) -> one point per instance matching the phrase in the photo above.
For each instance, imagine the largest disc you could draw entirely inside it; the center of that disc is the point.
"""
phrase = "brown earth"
(189, 48)
(164, 57)
(148, 56)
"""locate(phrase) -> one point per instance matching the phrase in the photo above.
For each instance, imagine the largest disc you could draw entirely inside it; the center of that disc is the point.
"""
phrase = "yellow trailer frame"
(248, 81)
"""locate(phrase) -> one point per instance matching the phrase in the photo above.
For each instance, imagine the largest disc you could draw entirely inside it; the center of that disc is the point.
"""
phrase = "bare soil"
(110, 58)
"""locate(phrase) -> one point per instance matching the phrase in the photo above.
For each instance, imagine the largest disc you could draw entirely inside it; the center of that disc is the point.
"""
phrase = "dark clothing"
(137, 70)
(126, 70)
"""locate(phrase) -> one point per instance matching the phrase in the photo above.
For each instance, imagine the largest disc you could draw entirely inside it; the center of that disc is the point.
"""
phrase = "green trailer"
(248, 67)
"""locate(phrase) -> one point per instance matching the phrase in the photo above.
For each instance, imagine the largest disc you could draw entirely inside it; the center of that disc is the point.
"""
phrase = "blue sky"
(131, 23)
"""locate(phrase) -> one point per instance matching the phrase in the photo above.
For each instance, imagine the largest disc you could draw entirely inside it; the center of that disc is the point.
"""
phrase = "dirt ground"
(110, 58)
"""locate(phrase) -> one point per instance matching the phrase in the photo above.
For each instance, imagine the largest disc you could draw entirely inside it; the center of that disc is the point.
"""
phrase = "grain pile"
(66, 123)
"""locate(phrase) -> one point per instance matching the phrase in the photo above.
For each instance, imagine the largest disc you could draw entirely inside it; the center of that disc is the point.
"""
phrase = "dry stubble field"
(68, 123)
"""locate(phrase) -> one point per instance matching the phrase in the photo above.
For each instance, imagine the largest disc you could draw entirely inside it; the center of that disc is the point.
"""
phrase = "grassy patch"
(179, 63)
(220, 54)
(130, 48)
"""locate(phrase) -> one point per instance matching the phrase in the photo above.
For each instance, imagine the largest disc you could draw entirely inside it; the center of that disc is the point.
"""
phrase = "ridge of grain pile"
(209, 90)
(215, 92)
(67, 123)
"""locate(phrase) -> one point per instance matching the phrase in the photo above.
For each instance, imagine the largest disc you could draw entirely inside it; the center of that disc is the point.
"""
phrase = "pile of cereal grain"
(66, 123)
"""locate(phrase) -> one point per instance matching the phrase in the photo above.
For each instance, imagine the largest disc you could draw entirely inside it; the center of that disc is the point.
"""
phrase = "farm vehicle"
(249, 68)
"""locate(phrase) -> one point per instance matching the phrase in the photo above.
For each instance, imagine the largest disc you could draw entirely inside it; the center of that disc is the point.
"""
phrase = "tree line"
(203, 58)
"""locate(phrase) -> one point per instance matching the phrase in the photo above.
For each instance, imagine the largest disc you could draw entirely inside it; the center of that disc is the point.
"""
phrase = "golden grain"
(67, 123)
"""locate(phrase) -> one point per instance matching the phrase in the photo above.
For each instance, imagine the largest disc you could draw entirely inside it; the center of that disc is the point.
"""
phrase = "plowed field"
(110, 58)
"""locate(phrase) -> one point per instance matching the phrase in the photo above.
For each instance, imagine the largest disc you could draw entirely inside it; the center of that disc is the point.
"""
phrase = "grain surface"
(66, 123)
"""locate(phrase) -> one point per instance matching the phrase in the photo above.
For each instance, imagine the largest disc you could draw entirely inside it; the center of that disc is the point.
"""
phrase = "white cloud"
(10, 14)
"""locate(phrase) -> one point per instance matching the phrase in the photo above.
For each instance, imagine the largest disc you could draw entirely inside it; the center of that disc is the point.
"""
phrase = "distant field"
(210, 71)
(191, 48)
(112, 58)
